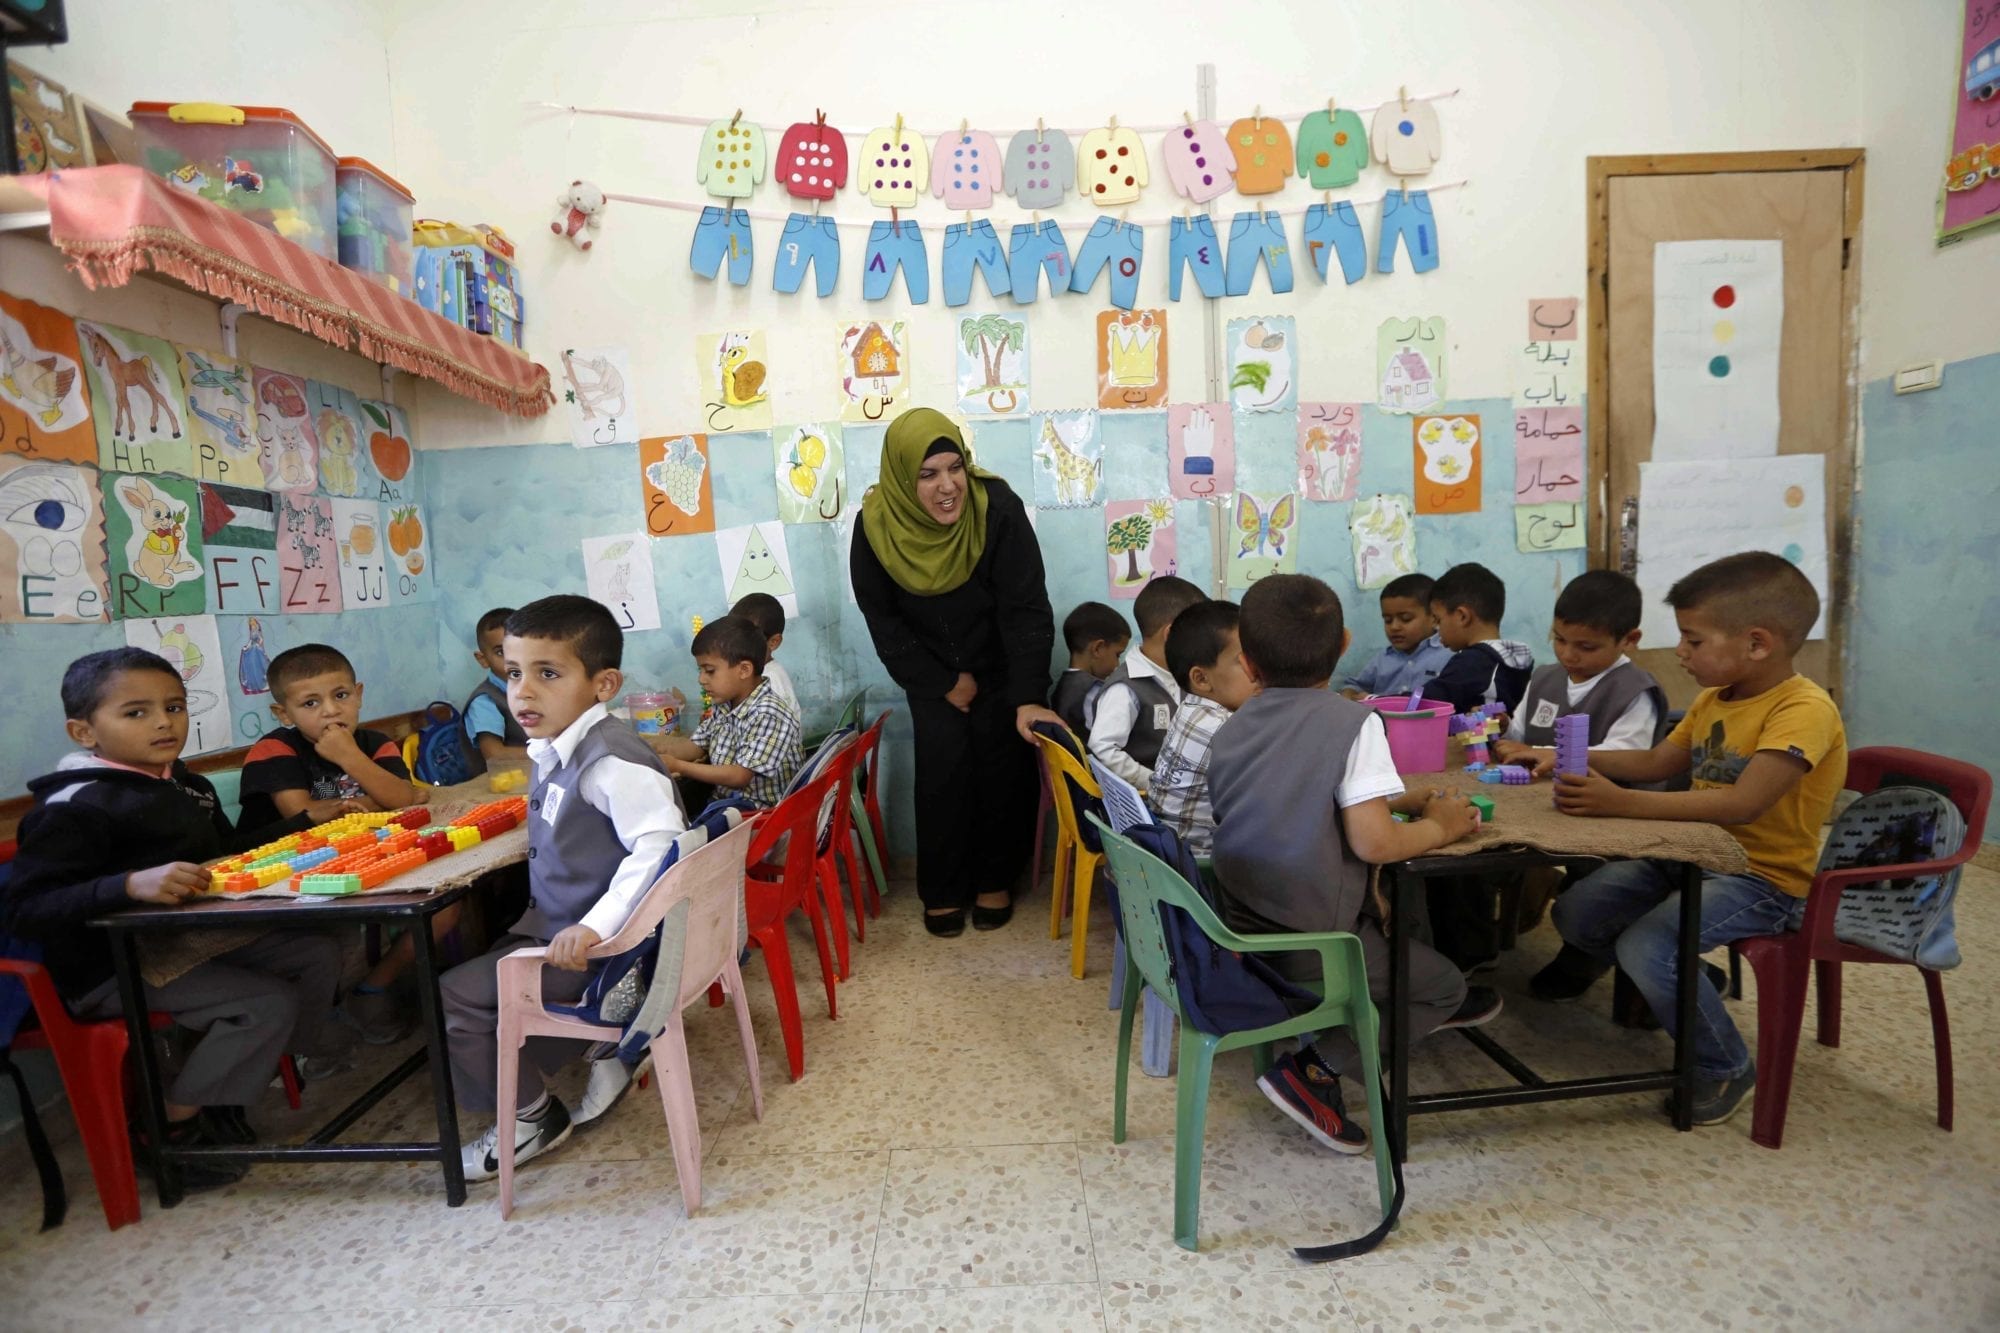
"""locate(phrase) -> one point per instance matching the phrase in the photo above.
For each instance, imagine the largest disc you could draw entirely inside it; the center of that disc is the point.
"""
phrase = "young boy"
(767, 613)
(1415, 653)
(1096, 637)
(1468, 603)
(601, 814)
(749, 743)
(1206, 658)
(1767, 753)
(1596, 624)
(1303, 788)
(123, 820)
(1140, 695)
(490, 730)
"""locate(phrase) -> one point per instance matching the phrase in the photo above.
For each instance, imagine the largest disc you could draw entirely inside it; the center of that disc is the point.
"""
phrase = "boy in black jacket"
(123, 820)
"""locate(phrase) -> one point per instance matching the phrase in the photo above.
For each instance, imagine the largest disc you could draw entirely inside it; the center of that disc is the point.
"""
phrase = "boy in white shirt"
(767, 613)
(1138, 700)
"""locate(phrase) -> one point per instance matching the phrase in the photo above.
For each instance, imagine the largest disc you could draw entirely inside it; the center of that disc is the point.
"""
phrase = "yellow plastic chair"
(1076, 861)
(410, 761)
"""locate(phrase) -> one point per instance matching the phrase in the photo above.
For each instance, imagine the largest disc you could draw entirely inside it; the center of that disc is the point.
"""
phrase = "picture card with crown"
(1131, 359)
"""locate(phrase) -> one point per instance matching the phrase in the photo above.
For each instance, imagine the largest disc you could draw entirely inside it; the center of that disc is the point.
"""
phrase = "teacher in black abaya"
(947, 572)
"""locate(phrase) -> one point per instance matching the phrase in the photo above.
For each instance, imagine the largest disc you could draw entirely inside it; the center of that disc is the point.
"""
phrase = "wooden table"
(411, 900)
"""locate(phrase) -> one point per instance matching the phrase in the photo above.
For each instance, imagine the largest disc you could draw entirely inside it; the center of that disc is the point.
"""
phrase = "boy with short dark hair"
(1137, 703)
(491, 732)
(1096, 636)
(749, 744)
(1596, 624)
(1767, 753)
(601, 815)
(1206, 658)
(123, 820)
(1304, 790)
(767, 613)
(1468, 602)
(1415, 653)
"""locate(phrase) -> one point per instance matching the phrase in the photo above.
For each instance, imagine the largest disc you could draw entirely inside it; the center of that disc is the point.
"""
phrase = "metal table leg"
(1684, 996)
(1399, 1015)
(152, 1098)
(440, 1061)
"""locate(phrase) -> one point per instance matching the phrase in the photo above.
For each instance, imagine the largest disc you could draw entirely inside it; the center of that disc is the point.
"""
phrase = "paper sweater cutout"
(1040, 167)
(1111, 167)
(1263, 149)
(1198, 160)
(732, 159)
(1332, 149)
(43, 411)
(1405, 137)
(894, 168)
(812, 160)
(968, 170)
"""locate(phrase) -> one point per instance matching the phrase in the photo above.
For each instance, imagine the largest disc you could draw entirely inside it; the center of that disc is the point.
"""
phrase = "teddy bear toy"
(579, 212)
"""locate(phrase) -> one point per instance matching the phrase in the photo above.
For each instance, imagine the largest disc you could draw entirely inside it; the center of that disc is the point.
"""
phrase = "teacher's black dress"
(975, 778)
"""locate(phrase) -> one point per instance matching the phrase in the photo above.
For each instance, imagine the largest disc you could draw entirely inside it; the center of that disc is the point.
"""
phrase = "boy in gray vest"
(1303, 789)
(1137, 703)
(1096, 637)
(601, 815)
(491, 733)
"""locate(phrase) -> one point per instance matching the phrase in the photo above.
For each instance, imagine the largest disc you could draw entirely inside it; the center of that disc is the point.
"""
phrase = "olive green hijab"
(922, 555)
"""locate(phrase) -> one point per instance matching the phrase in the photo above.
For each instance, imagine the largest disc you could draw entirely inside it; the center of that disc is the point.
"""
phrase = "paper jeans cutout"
(967, 244)
(893, 245)
(1254, 236)
(808, 242)
(1338, 232)
(1115, 244)
(1411, 220)
(1031, 247)
(1191, 241)
(722, 231)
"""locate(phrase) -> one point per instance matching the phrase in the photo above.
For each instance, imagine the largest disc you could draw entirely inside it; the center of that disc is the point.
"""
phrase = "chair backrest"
(829, 746)
(1077, 794)
(1968, 787)
(702, 901)
(1145, 882)
(797, 814)
(850, 714)
(1123, 806)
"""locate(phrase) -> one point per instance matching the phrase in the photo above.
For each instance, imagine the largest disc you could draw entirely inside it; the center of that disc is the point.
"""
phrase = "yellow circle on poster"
(1724, 330)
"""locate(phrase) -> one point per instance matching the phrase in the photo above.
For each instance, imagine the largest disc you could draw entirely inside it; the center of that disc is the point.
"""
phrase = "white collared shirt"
(641, 803)
(1117, 712)
(1632, 731)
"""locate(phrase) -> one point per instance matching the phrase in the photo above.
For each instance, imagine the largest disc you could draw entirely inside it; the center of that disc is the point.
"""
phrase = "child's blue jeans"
(970, 244)
(722, 231)
(1254, 236)
(893, 245)
(1119, 244)
(808, 242)
(1191, 242)
(1030, 247)
(1410, 219)
(1336, 230)
(1629, 913)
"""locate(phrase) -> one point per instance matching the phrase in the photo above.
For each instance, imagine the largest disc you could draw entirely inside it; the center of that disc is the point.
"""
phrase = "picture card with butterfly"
(44, 407)
(679, 490)
(1141, 543)
(1263, 537)
(811, 472)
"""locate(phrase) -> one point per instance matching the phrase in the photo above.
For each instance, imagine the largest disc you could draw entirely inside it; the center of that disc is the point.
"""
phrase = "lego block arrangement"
(1513, 775)
(1573, 745)
(357, 852)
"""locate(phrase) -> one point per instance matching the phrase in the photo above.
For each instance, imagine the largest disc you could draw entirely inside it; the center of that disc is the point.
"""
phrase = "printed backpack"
(1909, 919)
(441, 747)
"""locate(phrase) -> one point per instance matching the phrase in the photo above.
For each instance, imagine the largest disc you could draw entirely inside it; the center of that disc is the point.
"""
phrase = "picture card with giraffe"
(137, 399)
(1069, 459)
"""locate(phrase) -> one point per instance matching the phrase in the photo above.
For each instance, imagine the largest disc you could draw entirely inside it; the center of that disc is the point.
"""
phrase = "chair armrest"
(1823, 898)
(1330, 945)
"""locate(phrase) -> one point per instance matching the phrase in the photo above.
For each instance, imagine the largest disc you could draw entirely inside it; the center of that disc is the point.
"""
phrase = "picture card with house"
(874, 370)
(1410, 364)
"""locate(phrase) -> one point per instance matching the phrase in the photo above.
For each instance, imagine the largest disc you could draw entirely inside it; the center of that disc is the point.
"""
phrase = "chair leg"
(857, 891)
(288, 1073)
(1367, 1036)
(836, 912)
(1117, 968)
(715, 996)
(507, 1094)
(1735, 975)
(96, 1093)
(1827, 973)
(676, 1080)
(1941, 1039)
(878, 884)
(1079, 921)
(1059, 874)
(785, 994)
(1041, 831)
(827, 974)
(1781, 1013)
(1128, 1007)
(1190, 1124)
(733, 976)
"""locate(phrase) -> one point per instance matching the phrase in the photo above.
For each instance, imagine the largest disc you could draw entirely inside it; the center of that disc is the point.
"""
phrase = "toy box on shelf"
(375, 213)
(359, 852)
(468, 275)
(260, 161)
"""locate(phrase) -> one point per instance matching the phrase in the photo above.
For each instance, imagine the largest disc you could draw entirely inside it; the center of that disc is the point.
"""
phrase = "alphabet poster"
(1718, 317)
(811, 469)
(1141, 543)
(44, 412)
(618, 571)
(239, 546)
(1201, 450)
(992, 365)
(1329, 450)
(1446, 460)
(597, 395)
(222, 418)
(1263, 363)
(874, 370)
(390, 456)
(1131, 359)
(1552, 319)
(1410, 364)
(1548, 527)
(734, 377)
(51, 542)
(754, 559)
(248, 645)
(308, 555)
(194, 649)
(136, 394)
(152, 532)
(287, 435)
(1548, 455)
(674, 476)
(1263, 537)
(1551, 375)
(411, 578)
(1385, 540)
(1069, 459)
(364, 563)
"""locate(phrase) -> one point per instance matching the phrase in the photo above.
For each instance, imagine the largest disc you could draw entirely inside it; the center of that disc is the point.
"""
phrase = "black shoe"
(1715, 1100)
(227, 1124)
(1477, 966)
(1717, 977)
(945, 925)
(196, 1175)
(1482, 1005)
(1313, 1103)
(992, 918)
(1567, 978)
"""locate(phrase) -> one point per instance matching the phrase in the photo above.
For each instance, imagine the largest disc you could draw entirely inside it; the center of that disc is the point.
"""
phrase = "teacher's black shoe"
(945, 925)
(992, 918)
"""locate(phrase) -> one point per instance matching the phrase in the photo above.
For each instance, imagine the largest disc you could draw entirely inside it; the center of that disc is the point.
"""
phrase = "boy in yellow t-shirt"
(1767, 754)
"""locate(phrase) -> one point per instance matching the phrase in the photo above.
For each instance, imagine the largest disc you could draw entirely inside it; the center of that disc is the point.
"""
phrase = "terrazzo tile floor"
(947, 1163)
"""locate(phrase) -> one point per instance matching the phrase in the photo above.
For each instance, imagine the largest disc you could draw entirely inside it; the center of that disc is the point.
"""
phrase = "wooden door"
(1811, 202)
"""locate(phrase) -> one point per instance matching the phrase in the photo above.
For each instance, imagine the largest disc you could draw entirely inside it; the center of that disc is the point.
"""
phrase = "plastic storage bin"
(260, 161)
(467, 274)
(375, 214)
(1419, 741)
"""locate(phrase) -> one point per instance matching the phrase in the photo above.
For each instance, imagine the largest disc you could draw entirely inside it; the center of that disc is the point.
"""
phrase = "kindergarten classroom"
(345, 323)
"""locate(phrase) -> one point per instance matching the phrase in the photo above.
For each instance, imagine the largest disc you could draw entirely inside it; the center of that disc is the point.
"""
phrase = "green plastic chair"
(1145, 883)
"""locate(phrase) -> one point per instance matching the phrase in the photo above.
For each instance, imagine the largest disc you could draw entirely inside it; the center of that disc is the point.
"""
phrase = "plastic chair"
(834, 845)
(834, 758)
(1126, 809)
(1076, 858)
(773, 890)
(1780, 961)
(864, 811)
(1145, 885)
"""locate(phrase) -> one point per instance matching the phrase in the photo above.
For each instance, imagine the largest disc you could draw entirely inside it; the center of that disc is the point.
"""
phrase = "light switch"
(1915, 379)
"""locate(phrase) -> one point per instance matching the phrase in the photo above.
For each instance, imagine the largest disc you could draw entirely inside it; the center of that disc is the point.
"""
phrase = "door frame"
(1598, 174)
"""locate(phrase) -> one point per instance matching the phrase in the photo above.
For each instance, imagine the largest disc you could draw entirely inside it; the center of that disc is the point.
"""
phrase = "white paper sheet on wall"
(1689, 513)
(618, 570)
(1718, 318)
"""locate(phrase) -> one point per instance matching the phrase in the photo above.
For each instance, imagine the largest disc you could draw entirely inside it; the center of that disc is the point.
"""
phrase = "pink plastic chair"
(701, 901)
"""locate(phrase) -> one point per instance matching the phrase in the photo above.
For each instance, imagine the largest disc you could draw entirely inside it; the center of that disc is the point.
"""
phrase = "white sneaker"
(610, 1078)
(532, 1138)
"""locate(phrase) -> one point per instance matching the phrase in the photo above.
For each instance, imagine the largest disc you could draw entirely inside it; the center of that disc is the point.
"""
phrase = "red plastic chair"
(837, 848)
(773, 889)
(1780, 961)
(872, 792)
(861, 791)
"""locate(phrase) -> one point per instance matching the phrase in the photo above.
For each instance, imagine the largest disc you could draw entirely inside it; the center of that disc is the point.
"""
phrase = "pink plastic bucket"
(1417, 741)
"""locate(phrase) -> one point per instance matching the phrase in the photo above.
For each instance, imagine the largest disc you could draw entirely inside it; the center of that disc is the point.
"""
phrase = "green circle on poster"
(1718, 366)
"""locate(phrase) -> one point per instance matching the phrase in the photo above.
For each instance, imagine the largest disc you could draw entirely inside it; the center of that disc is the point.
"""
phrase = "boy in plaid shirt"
(749, 744)
(1207, 663)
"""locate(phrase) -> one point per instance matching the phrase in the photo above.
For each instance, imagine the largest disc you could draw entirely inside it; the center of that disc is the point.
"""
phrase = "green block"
(330, 885)
(1484, 805)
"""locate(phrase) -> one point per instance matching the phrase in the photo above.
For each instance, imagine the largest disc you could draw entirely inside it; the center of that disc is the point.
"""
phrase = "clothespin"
(1329, 108)
(1114, 124)
(895, 216)
(899, 124)
(1406, 189)
(1036, 216)
(1257, 116)
(963, 126)
(1038, 139)
(1124, 218)
(1403, 96)
(819, 118)
(1327, 199)
(1188, 116)
(738, 116)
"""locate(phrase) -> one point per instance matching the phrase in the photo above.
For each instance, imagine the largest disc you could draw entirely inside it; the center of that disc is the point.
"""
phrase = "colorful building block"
(1484, 805)
(329, 885)
(1515, 776)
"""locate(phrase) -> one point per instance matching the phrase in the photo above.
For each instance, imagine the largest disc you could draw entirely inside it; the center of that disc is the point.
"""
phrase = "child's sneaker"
(1482, 1004)
(375, 1016)
(610, 1078)
(532, 1138)
(1310, 1095)
(1717, 1099)
(1567, 978)
(198, 1173)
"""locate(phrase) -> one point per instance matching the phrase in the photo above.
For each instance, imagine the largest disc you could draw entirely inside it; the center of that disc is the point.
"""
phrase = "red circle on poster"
(1725, 296)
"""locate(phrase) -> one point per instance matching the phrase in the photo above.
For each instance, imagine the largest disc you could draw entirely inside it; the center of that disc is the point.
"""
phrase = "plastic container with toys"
(260, 161)
(375, 215)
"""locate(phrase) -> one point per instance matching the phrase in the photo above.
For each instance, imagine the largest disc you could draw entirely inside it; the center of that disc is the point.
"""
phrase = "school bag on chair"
(1909, 919)
(442, 747)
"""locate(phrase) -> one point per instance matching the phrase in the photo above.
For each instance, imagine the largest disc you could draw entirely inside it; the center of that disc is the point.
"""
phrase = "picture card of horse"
(1263, 363)
(52, 564)
(597, 396)
(239, 548)
(618, 572)
(1329, 450)
(992, 365)
(1201, 450)
(308, 555)
(137, 401)
(679, 489)
(811, 467)
(875, 370)
(222, 417)
(734, 380)
(153, 553)
(1069, 459)
(1141, 543)
(1131, 359)
(44, 405)
(754, 558)
(287, 433)
(1445, 456)
(192, 645)
(1262, 536)
(412, 577)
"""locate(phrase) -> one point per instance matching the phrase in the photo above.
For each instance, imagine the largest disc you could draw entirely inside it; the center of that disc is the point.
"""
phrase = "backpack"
(441, 747)
(1910, 919)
